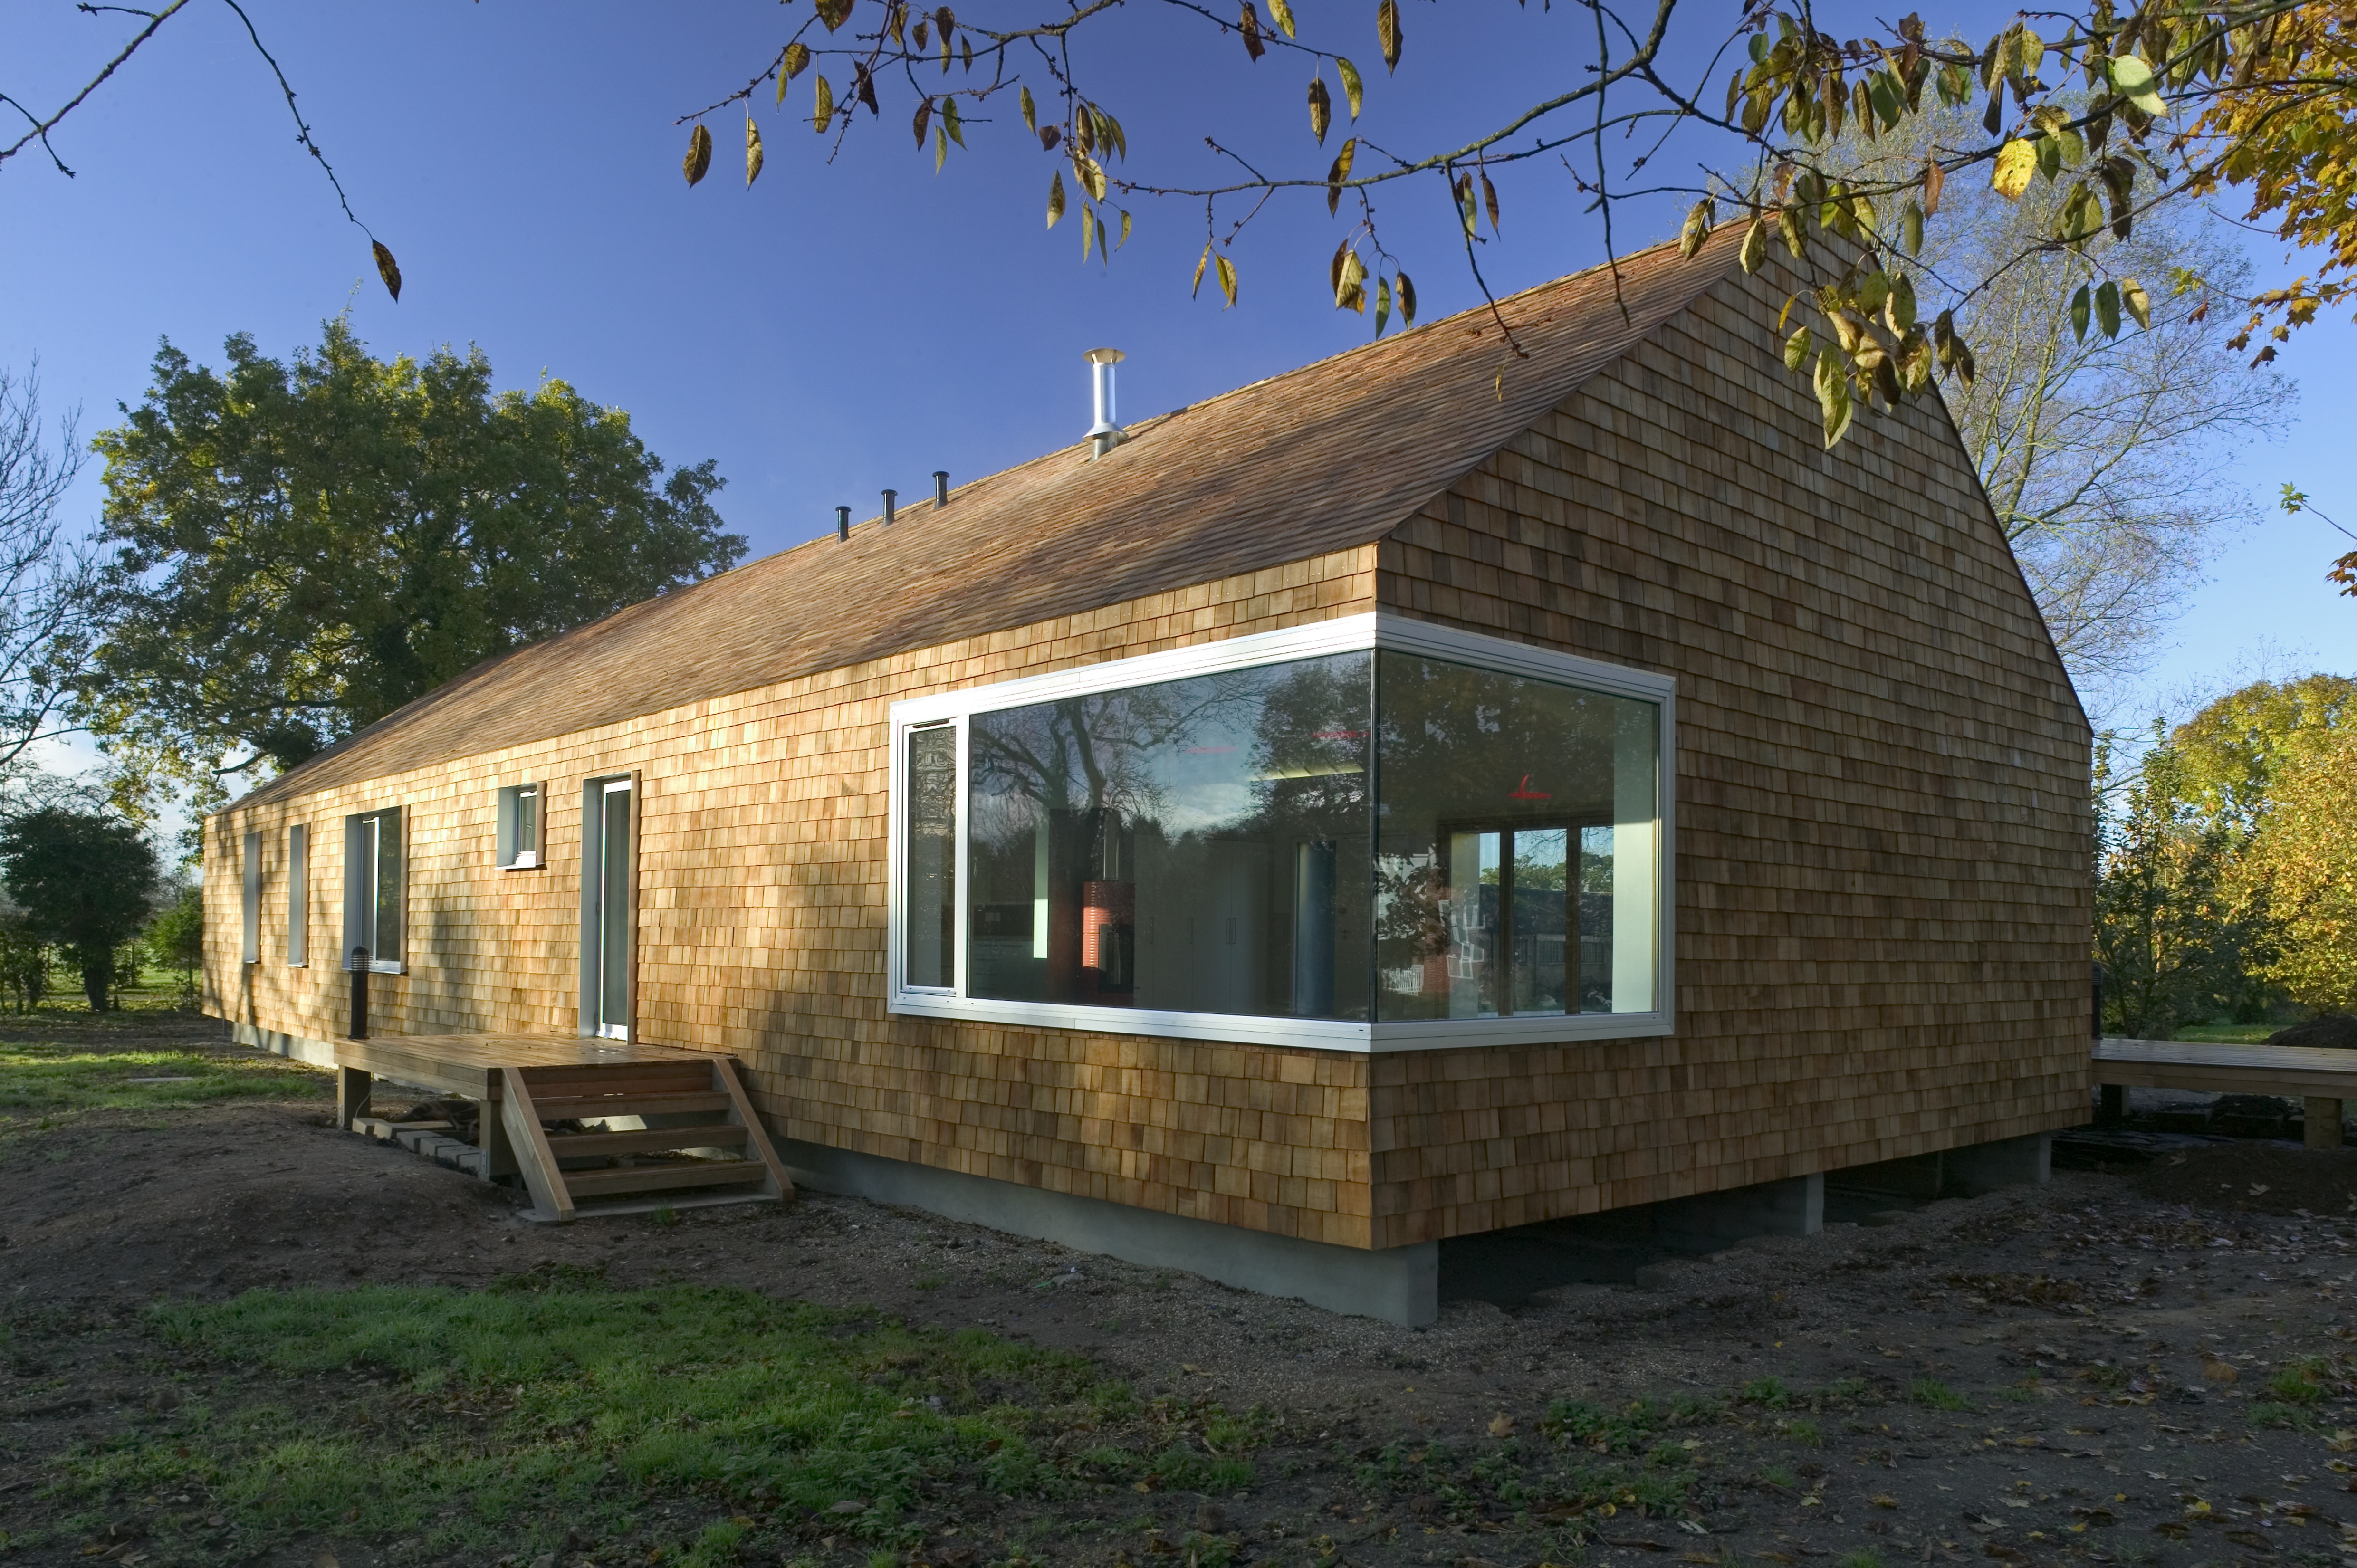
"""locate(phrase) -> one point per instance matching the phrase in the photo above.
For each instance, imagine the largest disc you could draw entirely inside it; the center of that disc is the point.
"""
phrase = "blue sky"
(838, 329)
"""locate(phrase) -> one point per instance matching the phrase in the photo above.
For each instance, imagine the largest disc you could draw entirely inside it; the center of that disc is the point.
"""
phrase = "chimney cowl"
(843, 522)
(890, 498)
(1105, 434)
(941, 487)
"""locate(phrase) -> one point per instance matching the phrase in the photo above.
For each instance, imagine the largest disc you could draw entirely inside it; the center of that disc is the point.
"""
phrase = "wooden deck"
(607, 1121)
(2321, 1077)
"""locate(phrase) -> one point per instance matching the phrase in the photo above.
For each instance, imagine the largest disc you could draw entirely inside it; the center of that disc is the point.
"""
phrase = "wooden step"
(649, 1077)
(589, 1107)
(664, 1177)
(647, 1140)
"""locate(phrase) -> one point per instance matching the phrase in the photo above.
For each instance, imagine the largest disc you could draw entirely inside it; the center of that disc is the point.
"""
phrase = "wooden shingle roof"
(1327, 457)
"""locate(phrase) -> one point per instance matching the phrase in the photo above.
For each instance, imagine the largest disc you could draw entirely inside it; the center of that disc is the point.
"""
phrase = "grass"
(42, 1076)
(492, 1420)
(1936, 1394)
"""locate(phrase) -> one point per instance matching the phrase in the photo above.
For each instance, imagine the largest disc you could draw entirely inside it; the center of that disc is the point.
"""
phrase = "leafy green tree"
(2236, 748)
(2168, 932)
(2305, 857)
(301, 547)
(176, 936)
(24, 958)
(84, 880)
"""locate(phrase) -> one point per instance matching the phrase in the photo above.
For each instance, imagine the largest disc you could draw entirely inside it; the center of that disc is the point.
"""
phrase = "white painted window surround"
(1641, 840)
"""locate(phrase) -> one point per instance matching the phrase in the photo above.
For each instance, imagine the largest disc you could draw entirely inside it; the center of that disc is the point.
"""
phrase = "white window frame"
(298, 896)
(250, 910)
(361, 903)
(1377, 631)
(510, 853)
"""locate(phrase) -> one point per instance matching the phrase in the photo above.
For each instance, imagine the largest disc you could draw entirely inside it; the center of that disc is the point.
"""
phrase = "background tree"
(85, 879)
(46, 584)
(2104, 456)
(299, 548)
(2169, 933)
(24, 957)
(2306, 859)
(176, 935)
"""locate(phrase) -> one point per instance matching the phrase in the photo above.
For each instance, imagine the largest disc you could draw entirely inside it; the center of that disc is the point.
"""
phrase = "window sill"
(375, 968)
(1310, 1034)
(523, 863)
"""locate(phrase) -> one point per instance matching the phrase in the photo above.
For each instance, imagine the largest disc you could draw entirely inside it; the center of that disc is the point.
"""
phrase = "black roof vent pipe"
(941, 487)
(890, 497)
(843, 523)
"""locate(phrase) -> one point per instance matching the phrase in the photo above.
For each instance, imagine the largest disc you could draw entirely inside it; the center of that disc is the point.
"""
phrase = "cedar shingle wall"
(761, 932)
(1881, 872)
(1882, 832)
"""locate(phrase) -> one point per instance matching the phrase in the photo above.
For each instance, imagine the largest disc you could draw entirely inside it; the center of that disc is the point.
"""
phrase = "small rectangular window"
(298, 896)
(518, 829)
(374, 890)
(251, 931)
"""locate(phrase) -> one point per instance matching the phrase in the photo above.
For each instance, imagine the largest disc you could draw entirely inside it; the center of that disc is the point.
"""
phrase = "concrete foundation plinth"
(1978, 1168)
(1710, 1220)
(1397, 1284)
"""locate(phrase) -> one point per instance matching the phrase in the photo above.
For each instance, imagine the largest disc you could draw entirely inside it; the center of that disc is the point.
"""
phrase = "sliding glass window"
(1190, 846)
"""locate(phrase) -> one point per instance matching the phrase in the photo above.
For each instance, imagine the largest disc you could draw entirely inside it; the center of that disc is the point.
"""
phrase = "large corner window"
(1368, 834)
(374, 884)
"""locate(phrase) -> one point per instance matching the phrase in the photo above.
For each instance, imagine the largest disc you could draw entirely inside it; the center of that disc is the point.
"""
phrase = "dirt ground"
(2150, 1368)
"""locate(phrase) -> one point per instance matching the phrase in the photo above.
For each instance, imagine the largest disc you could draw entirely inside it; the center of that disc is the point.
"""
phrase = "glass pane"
(1540, 886)
(385, 945)
(931, 894)
(1500, 796)
(1196, 846)
(614, 910)
(527, 820)
(372, 870)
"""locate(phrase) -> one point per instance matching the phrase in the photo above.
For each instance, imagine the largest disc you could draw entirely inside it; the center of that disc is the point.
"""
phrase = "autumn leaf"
(2138, 303)
(2108, 309)
(798, 59)
(1501, 1425)
(1833, 406)
(1696, 229)
(940, 148)
(1249, 25)
(1030, 111)
(1054, 198)
(834, 13)
(2132, 80)
(824, 116)
(1910, 228)
(1340, 172)
(1227, 270)
(1796, 349)
(1934, 177)
(1195, 288)
(864, 87)
(1282, 14)
(752, 152)
(698, 162)
(924, 119)
(1387, 32)
(2015, 162)
(1489, 202)
(387, 268)
(1353, 91)
(1322, 108)
(1090, 173)
(1124, 229)
(951, 122)
(1754, 245)
(1382, 304)
(1347, 273)
(1407, 300)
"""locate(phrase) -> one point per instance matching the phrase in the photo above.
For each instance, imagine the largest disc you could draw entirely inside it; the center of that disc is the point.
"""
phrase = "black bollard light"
(360, 968)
